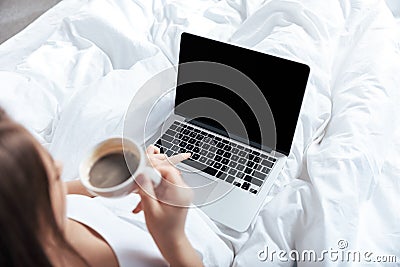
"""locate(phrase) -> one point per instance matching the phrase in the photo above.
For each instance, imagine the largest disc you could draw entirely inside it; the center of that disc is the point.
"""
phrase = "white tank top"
(127, 234)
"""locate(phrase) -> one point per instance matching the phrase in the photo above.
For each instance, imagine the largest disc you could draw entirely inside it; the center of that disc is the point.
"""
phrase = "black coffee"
(111, 170)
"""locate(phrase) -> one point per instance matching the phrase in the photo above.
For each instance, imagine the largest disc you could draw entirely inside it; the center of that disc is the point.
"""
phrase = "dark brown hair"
(25, 201)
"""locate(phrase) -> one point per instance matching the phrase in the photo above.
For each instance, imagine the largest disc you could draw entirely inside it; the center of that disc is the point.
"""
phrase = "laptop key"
(176, 141)
(257, 159)
(220, 152)
(256, 182)
(199, 137)
(166, 144)
(175, 148)
(255, 153)
(173, 127)
(259, 175)
(195, 156)
(272, 159)
(242, 161)
(220, 145)
(250, 164)
(248, 178)
(225, 161)
(232, 171)
(207, 140)
(196, 149)
(210, 155)
(240, 167)
(193, 134)
(182, 144)
(240, 175)
(218, 158)
(203, 152)
(202, 159)
(235, 150)
(248, 170)
(158, 143)
(245, 186)
(213, 149)
(232, 164)
(234, 157)
(170, 132)
(206, 146)
(185, 138)
(253, 191)
(190, 146)
(237, 184)
(221, 175)
(217, 165)
(192, 141)
(265, 170)
(224, 168)
(267, 163)
(242, 154)
(167, 137)
(227, 155)
(169, 153)
(227, 148)
(230, 179)
(209, 162)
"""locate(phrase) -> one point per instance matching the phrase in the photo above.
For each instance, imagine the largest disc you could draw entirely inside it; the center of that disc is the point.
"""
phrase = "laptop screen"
(227, 97)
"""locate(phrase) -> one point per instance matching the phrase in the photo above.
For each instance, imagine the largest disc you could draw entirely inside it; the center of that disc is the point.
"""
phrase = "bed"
(69, 78)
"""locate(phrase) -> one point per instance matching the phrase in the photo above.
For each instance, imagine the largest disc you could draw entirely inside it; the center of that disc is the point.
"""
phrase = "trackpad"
(201, 185)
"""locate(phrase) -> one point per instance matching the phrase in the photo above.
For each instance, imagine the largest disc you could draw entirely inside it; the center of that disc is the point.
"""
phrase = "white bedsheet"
(69, 78)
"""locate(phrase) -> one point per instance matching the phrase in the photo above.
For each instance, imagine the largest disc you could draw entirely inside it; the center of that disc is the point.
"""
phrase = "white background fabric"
(69, 78)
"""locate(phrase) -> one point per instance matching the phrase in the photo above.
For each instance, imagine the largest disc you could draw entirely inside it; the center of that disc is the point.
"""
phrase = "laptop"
(236, 112)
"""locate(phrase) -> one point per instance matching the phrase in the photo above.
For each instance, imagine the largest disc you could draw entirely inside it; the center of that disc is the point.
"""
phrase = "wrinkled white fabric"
(70, 76)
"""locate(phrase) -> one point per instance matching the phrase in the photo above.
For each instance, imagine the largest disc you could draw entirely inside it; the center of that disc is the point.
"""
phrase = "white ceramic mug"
(137, 164)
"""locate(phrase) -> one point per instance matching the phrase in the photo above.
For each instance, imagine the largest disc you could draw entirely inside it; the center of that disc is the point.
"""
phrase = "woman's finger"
(171, 174)
(152, 149)
(138, 208)
(175, 159)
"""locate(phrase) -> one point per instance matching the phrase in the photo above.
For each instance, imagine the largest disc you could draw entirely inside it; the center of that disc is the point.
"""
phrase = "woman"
(33, 224)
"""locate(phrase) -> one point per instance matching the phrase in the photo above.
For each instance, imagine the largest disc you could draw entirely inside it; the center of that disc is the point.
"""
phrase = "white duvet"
(70, 76)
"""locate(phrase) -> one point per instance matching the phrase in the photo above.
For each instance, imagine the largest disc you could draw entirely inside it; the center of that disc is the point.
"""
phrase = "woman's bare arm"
(76, 187)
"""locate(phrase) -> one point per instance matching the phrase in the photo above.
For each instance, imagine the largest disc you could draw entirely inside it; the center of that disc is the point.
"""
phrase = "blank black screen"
(282, 83)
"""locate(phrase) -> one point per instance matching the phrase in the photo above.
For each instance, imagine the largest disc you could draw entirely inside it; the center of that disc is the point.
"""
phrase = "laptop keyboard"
(241, 166)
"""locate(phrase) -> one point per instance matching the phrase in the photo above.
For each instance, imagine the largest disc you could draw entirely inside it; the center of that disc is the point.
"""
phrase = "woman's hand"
(165, 211)
(157, 159)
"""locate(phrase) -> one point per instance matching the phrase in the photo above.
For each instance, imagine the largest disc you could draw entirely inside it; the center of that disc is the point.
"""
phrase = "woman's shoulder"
(100, 219)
